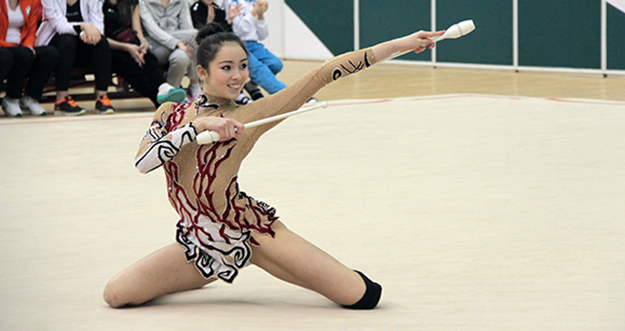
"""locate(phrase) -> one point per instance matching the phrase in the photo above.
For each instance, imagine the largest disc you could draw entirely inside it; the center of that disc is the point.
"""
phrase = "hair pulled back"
(210, 39)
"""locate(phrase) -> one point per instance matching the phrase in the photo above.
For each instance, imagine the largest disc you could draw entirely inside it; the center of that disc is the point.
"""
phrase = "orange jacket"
(31, 9)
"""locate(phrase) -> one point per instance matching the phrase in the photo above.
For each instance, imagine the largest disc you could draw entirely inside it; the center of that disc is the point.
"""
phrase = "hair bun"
(207, 31)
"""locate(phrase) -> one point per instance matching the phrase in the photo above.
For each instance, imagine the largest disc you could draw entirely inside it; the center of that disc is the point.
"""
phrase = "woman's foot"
(32, 105)
(11, 107)
(242, 99)
(103, 105)
(67, 106)
(167, 93)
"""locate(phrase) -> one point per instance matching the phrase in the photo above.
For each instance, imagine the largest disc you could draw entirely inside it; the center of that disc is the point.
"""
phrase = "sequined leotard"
(217, 220)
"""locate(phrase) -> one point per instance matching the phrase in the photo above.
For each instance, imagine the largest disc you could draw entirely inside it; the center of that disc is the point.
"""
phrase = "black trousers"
(144, 80)
(73, 52)
(19, 64)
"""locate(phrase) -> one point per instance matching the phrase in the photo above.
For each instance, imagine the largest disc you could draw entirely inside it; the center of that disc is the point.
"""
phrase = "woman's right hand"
(136, 52)
(227, 128)
(234, 11)
(186, 48)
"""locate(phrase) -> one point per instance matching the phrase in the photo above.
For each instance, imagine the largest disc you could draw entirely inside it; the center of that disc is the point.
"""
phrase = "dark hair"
(210, 39)
(125, 9)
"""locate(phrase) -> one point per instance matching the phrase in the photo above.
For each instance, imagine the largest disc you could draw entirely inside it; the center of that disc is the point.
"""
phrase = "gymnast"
(221, 228)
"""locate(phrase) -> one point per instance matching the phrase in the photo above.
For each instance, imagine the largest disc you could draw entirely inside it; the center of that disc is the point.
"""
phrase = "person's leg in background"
(46, 59)
(23, 58)
(66, 45)
(259, 72)
(98, 58)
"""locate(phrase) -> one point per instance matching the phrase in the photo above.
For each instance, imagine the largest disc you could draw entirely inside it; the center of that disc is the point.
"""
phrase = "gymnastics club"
(208, 137)
(453, 32)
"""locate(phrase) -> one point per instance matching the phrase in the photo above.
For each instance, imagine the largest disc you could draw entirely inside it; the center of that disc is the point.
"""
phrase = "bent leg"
(162, 272)
(291, 258)
(262, 75)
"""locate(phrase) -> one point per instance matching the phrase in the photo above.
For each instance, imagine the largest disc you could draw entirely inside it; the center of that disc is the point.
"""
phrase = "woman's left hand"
(91, 34)
(422, 40)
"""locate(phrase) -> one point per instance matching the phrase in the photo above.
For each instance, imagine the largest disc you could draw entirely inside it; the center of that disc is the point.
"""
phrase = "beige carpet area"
(474, 212)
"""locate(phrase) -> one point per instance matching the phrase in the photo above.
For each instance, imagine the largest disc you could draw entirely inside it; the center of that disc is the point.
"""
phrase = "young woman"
(76, 28)
(170, 34)
(131, 58)
(20, 60)
(222, 229)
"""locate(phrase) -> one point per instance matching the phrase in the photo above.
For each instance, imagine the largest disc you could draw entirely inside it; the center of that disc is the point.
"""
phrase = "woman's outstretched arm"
(296, 94)
(417, 42)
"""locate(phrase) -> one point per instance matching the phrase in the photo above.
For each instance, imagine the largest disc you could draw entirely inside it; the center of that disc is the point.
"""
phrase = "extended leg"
(162, 272)
(289, 257)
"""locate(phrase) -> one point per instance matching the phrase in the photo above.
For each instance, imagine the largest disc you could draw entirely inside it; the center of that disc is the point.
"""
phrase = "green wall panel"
(331, 21)
(385, 20)
(490, 43)
(616, 39)
(560, 33)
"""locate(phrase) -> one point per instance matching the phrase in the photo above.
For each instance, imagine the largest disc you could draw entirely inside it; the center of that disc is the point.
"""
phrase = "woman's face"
(227, 72)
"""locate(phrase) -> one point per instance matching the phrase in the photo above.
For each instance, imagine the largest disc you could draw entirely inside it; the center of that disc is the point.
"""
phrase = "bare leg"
(289, 257)
(162, 272)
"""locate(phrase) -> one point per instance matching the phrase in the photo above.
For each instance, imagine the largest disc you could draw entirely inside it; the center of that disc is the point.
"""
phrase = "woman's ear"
(202, 73)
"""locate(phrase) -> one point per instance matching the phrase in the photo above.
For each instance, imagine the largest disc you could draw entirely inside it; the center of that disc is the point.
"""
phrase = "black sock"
(371, 297)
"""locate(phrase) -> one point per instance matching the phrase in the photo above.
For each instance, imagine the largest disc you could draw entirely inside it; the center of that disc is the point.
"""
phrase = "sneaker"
(11, 107)
(311, 100)
(252, 89)
(67, 106)
(29, 104)
(167, 93)
(103, 105)
(242, 99)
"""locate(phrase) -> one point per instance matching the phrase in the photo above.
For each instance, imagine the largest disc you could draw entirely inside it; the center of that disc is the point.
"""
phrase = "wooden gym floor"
(477, 211)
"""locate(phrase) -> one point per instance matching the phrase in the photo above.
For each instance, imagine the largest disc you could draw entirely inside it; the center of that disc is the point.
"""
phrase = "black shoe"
(103, 105)
(253, 90)
(67, 106)
(242, 100)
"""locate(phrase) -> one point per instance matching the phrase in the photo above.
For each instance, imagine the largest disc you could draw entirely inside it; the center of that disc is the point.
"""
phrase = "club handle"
(207, 137)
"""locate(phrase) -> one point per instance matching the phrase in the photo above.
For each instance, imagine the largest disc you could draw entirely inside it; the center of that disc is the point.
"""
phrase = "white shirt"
(246, 26)
(16, 21)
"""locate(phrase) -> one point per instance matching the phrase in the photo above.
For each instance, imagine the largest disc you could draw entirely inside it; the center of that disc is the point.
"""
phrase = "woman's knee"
(6, 59)
(113, 294)
(275, 65)
(179, 58)
(48, 55)
(65, 43)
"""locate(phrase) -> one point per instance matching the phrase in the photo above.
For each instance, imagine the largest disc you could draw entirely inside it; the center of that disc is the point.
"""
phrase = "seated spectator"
(170, 34)
(20, 60)
(76, 28)
(130, 53)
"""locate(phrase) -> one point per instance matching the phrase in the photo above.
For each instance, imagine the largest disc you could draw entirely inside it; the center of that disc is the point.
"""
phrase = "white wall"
(289, 37)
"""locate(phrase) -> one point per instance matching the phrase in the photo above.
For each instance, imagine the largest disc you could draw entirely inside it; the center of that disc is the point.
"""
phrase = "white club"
(457, 30)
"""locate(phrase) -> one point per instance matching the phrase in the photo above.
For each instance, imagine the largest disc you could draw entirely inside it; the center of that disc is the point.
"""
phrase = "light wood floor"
(391, 80)
(474, 212)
